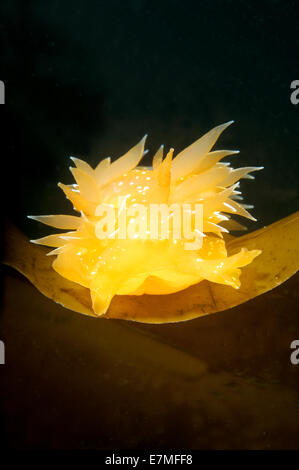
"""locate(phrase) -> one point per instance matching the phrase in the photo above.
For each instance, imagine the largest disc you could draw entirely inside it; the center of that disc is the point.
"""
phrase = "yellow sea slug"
(129, 259)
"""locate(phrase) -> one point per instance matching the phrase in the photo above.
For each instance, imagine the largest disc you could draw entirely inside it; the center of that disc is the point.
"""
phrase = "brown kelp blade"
(279, 260)
(32, 262)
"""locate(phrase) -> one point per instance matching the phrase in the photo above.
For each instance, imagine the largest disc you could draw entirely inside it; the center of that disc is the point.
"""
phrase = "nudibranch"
(136, 265)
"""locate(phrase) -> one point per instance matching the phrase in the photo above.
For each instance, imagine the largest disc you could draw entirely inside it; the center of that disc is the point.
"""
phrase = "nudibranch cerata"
(137, 262)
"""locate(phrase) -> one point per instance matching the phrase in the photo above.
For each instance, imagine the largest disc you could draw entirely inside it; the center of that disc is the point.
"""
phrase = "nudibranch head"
(151, 230)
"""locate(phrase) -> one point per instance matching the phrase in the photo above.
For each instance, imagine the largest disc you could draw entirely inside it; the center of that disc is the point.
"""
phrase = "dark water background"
(89, 79)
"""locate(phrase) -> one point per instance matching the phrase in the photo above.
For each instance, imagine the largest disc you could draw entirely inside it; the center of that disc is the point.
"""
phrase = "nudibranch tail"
(196, 179)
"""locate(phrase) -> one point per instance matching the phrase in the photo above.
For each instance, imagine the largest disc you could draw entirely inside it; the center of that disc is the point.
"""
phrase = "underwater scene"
(150, 227)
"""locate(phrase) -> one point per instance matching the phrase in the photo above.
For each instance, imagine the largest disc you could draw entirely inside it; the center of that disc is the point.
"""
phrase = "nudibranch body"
(142, 263)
